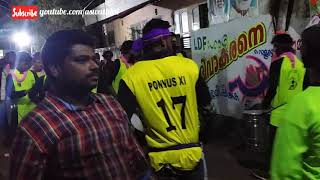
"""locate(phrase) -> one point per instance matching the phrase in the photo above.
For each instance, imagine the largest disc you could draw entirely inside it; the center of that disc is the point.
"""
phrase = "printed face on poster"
(241, 8)
(223, 10)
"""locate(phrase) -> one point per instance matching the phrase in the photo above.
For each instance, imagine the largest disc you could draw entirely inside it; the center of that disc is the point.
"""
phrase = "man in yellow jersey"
(286, 80)
(296, 152)
(287, 74)
(286, 77)
(23, 82)
(168, 89)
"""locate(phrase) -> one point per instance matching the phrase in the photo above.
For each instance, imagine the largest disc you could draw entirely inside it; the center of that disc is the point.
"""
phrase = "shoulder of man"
(190, 61)
(38, 126)
(294, 109)
(190, 64)
(112, 105)
(137, 67)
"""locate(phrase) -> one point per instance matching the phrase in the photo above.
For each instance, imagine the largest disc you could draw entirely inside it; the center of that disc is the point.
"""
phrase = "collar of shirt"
(73, 107)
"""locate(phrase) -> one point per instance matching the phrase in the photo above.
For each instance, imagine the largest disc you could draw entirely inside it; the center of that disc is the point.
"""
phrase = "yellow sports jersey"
(165, 92)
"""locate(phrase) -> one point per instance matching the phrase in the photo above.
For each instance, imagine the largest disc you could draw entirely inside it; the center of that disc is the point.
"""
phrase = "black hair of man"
(58, 46)
(126, 47)
(23, 57)
(107, 55)
(9, 54)
(310, 47)
(10, 58)
(155, 23)
(282, 43)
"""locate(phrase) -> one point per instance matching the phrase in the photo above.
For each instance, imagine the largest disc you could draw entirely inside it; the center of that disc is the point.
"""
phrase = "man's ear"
(164, 42)
(167, 43)
(55, 70)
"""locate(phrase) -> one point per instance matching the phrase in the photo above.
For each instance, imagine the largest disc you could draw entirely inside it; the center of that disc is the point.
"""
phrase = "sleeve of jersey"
(290, 143)
(195, 68)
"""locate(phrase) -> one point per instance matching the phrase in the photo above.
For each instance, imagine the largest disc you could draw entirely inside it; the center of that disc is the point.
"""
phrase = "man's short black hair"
(282, 43)
(155, 23)
(9, 54)
(310, 47)
(107, 54)
(282, 39)
(126, 47)
(58, 46)
(23, 57)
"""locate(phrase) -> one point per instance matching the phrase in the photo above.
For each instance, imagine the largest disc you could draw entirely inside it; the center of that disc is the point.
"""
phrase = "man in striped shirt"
(74, 134)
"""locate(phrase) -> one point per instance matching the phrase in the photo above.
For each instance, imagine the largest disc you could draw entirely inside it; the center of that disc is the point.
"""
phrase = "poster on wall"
(234, 59)
(244, 8)
(219, 11)
(223, 10)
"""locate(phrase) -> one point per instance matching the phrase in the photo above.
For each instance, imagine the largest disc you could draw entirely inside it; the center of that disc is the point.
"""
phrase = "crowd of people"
(67, 114)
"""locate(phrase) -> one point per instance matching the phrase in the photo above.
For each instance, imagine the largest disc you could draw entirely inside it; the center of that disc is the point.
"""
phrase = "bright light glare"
(22, 39)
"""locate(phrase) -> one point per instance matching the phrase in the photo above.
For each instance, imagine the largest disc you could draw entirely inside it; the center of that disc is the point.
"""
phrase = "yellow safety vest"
(121, 72)
(24, 104)
(40, 74)
(94, 90)
(290, 84)
(165, 92)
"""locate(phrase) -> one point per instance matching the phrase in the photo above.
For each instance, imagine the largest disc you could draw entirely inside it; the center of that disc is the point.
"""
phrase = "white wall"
(122, 26)
(111, 8)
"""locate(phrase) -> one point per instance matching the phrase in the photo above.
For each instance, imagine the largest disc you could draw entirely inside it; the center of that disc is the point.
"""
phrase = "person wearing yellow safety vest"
(168, 90)
(286, 80)
(126, 60)
(22, 85)
(296, 152)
